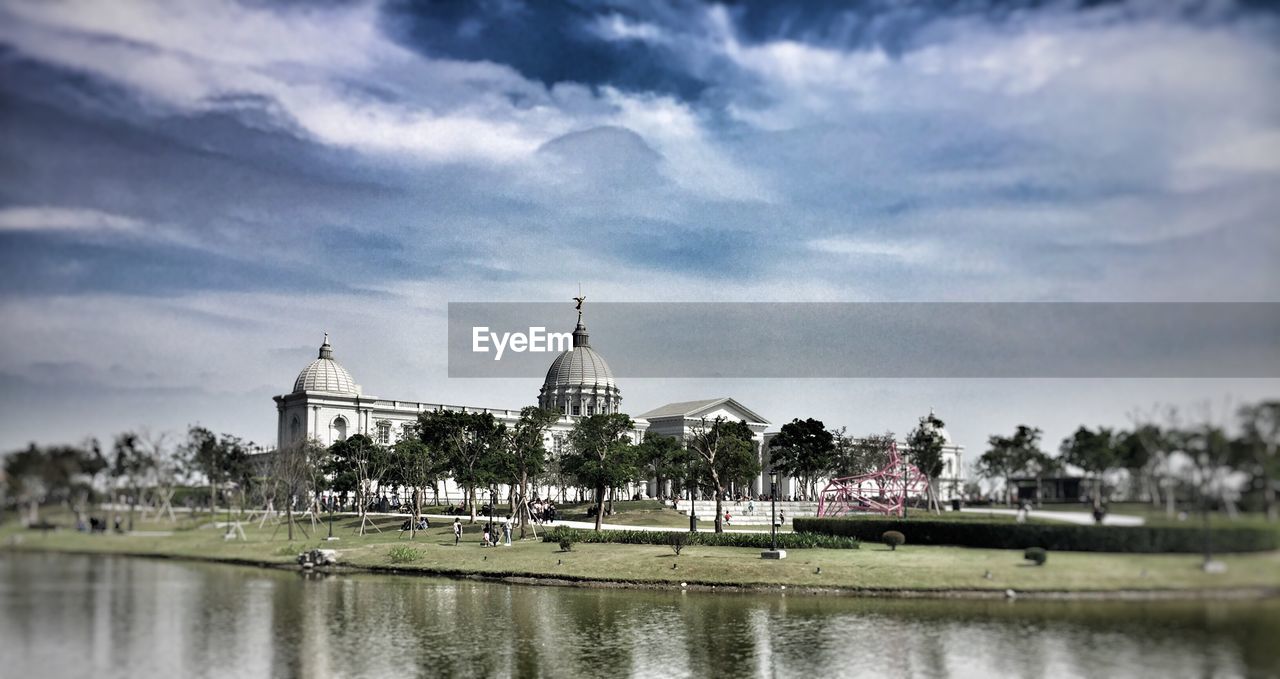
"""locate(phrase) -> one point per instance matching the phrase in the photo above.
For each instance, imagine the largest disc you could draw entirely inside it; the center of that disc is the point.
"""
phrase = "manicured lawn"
(873, 566)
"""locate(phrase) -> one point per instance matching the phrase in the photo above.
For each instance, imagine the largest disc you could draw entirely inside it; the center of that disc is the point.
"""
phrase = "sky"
(192, 193)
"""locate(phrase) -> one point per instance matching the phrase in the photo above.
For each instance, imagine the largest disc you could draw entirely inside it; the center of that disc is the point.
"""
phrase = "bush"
(678, 541)
(703, 539)
(403, 554)
(893, 538)
(1036, 554)
(1051, 536)
(564, 536)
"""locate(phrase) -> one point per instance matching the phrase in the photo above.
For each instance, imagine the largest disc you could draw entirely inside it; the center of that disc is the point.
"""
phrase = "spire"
(326, 351)
(580, 332)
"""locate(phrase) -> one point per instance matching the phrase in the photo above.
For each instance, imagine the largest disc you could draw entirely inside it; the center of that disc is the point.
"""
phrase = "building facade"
(328, 405)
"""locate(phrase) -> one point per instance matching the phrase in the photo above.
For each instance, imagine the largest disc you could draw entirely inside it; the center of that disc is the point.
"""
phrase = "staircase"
(739, 516)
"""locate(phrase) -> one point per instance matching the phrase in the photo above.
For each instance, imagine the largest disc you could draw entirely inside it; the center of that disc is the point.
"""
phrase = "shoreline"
(552, 580)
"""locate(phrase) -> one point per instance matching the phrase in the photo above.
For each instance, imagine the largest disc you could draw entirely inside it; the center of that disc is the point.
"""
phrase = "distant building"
(328, 405)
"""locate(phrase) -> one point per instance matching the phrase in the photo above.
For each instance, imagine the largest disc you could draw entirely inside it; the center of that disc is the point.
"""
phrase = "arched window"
(295, 428)
(339, 428)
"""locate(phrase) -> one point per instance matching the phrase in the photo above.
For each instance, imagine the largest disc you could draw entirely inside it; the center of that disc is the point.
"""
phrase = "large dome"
(579, 381)
(579, 366)
(326, 374)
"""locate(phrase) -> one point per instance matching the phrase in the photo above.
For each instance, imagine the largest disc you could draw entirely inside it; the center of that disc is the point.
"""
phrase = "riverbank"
(872, 571)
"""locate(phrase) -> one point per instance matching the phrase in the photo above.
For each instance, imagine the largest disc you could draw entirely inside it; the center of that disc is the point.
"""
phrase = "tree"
(661, 458)
(1210, 451)
(469, 442)
(1030, 460)
(364, 462)
(804, 450)
(220, 460)
(855, 456)
(1136, 457)
(924, 450)
(601, 454)
(293, 471)
(56, 473)
(132, 467)
(1006, 456)
(527, 455)
(1093, 451)
(1260, 425)
(416, 465)
(723, 452)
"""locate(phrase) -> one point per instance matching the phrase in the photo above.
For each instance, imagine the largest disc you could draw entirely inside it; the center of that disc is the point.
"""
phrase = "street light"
(773, 500)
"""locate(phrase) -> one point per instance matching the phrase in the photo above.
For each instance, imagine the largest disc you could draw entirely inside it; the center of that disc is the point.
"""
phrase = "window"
(591, 410)
(294, 428)
(384, 432)
(576, 410)
(339, 429)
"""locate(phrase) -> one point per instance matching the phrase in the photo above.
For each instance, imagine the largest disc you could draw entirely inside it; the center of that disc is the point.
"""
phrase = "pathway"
(1079, 518)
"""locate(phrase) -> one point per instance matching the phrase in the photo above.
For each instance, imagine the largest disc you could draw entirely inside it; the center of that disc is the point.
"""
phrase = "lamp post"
(693, 515)
(773, 552)
(773, 511)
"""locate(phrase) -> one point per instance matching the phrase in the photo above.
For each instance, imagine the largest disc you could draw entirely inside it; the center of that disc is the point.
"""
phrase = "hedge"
(706, 539)
(1059, 537)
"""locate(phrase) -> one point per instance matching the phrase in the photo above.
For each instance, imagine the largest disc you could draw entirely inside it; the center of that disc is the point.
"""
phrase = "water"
(75, 616)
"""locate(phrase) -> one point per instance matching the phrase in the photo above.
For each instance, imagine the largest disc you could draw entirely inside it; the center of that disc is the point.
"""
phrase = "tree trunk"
(471, 500)
(1269, 498)
(715, 482)
(599, 505)
(133, 503)
(523, 511)
(288, 513)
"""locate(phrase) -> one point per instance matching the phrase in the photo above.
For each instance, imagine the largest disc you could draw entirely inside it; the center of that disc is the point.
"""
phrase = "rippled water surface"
(74, 616)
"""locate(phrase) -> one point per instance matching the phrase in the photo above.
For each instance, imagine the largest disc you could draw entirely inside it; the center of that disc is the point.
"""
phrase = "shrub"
(1051, 536)
(893, 538)
(403, 554)
(1036, 554)
(678, 541)
(703, 539)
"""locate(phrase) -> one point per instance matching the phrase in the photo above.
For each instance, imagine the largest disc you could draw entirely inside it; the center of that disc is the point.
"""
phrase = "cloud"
(62, 219)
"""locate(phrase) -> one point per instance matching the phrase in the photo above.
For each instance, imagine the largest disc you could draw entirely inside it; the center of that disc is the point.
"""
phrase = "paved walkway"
(1080, 518)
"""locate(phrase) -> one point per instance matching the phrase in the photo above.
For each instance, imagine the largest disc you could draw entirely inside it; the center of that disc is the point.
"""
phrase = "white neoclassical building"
(328, 405)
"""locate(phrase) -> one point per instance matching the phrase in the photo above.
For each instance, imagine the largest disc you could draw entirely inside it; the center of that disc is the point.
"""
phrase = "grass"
(874, 566)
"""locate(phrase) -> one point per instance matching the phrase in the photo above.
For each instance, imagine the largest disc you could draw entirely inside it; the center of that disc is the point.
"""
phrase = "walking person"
(506, 531)
(457, 531)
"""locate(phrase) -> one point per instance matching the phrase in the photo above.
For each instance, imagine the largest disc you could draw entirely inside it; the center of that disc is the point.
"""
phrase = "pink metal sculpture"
(883, 491)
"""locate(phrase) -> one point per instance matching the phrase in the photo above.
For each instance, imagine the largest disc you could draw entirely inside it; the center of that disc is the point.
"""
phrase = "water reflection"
(117, 617)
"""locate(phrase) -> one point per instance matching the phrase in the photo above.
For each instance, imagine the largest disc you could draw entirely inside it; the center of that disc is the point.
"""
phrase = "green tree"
(1260, 434)
(1095, 452)
(293, 473)
(924, 450)
(470, 442)
(601, 454)
(527, 456)
(416, 465)
(132, 467)
(804, 450)
(362, 463)
(661, 458)
(723, 453)
(1007, 455)
(1027, 459)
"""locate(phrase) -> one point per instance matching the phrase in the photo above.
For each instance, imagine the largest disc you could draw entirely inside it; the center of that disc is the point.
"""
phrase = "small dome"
(927, 422)
(326, 374)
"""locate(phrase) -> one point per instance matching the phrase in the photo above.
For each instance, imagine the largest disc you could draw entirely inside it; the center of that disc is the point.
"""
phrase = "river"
(106, 617)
